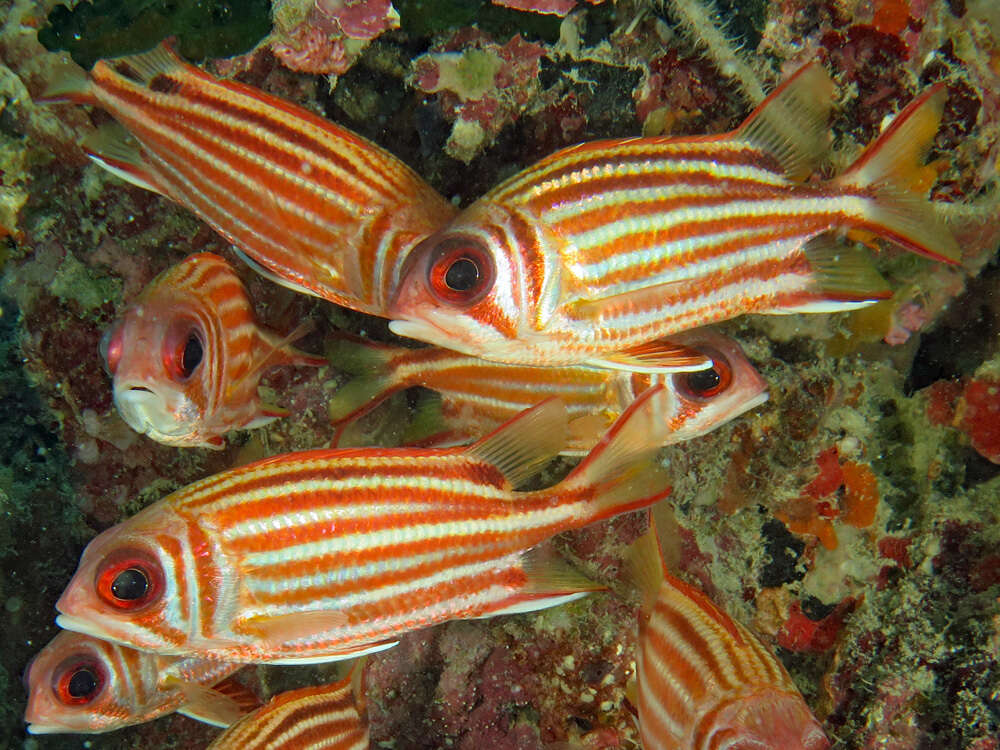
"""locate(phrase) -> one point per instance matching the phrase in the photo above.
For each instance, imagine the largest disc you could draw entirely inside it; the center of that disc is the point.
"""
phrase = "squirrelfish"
(186, 357)
(312, 204)
(325, 717)
(319, 555)
(84, 685)
(603, 247)
(477, 395)
(705, 681)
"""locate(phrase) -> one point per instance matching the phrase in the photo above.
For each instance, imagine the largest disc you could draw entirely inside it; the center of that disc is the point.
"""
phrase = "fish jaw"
(165, 415)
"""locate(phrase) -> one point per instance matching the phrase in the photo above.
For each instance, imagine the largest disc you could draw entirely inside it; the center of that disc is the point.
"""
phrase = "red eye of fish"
(183, 349)
(129, 579)
(111, 347)
(705, 384)
(78, 680)
(461, 272)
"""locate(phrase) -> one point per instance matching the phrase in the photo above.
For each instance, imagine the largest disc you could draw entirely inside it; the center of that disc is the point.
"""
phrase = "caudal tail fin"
(622, 470)
(892, 170)
(374, 377)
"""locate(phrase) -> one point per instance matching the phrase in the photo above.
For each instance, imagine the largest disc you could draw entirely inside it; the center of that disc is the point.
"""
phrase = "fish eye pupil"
(82, 683)
(462, 274)
(704, 381)
(129, 585)
(192, 355)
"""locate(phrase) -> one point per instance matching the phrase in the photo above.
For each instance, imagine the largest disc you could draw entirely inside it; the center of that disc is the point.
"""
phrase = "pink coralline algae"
(326, 36)
(483, 86)
(553, 7)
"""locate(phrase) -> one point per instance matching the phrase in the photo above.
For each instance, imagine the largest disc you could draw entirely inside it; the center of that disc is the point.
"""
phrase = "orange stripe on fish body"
(477, 394)
(603, 246)
(325, 717)
(312, 204)
(187, 355)
(705, 681)
(81, 684)
(319, 555)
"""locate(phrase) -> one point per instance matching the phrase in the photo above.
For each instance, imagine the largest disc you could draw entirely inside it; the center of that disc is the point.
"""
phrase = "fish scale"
(704, 680)
(311, 204)
(324, 554)
(606, 246)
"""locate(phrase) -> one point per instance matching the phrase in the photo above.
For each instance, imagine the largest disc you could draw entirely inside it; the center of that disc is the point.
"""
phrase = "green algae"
(110, 28)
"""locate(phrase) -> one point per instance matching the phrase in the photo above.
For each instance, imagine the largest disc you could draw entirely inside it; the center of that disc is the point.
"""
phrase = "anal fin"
(843, 277)
(113, 148)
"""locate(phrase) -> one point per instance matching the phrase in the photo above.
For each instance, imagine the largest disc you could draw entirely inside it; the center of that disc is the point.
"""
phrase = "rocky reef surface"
(852, 521)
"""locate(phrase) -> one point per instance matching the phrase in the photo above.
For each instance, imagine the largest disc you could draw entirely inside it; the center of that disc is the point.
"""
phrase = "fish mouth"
(79, 625)
(146, 412)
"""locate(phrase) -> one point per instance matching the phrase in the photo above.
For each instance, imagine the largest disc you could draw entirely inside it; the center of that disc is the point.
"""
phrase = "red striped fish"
(478, 395)
(605, 246)
(325, 717)
(84, 685)
(312, 204)
(319, 555)
(186, 357)
(705, 681)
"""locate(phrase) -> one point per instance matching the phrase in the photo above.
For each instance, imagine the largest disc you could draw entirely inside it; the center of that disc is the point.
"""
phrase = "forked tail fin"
(622, 471)
(892, 170)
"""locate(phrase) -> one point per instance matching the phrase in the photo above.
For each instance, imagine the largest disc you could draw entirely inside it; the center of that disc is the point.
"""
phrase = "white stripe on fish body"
(222, 115)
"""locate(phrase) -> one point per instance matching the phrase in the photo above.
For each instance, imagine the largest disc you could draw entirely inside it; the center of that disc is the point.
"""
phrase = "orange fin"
(210, 705)
(244, 697)
(551, 581)
(70, 83)
(792, 124)
(644, 567)
(522, 446)
(892, 168)
(113, 148)
(375, 378)
(622, 469)
(283, 629)
(655, 357)
(843, 277)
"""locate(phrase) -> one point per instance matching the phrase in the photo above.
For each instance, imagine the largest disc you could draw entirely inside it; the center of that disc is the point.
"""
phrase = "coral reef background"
(851, 521)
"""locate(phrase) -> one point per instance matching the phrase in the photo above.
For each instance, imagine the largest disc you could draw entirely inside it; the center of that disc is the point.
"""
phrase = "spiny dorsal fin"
(523, 445)
(792, 124)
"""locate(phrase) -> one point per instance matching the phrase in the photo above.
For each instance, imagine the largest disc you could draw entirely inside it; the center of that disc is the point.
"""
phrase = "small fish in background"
(704, 680)
(603, 247)
(187, 355)
(84, 685)
(322, 555)
(475, 395)
(312, 205)
(324, 717)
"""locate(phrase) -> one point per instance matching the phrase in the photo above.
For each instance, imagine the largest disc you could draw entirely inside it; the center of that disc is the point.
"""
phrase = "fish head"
(129, 586)
(167, 355)
(463, 289)
(78, 683)
(766, 719)
(703, 400)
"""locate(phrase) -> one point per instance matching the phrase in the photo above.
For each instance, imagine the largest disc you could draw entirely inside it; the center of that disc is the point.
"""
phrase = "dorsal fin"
(792, 124)
(523, 445)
